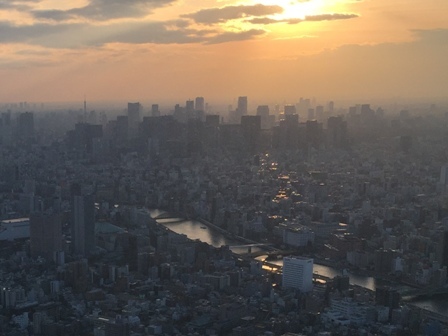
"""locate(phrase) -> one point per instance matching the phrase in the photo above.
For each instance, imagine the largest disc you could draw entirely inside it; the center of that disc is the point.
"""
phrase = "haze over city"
(269, 50)
(223, 168)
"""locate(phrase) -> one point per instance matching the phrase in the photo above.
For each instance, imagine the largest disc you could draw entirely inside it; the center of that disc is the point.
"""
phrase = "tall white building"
(298, 273)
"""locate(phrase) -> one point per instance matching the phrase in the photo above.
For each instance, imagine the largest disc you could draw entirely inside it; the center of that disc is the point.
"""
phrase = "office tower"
(263, 112)
(331, 107)
(45, 235)
(290, 109)
(189, 106)
(298, 273)
(83, 222)
(199, 104)
(336, 132)
(289, 131)
(313, 133)
(25, 125)
(320, 113)
(251, 129)
(133, 118)
(82, 137)
(155, 112)
(242, 106)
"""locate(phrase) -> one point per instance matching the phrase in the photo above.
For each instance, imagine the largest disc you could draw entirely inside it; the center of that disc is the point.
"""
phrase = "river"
(194, 229)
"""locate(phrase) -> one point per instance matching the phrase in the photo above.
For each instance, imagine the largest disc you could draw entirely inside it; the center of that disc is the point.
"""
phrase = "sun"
(296, 9)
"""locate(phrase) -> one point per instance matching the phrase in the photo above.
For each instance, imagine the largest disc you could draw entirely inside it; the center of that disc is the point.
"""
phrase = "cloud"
(17, 5)
(218, 15)
(329, 17)
(309, 18)
(77, 35)
(238, 36)
(101, 10)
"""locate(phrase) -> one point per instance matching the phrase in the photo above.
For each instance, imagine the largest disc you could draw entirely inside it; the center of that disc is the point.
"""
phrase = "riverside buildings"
(298, 273)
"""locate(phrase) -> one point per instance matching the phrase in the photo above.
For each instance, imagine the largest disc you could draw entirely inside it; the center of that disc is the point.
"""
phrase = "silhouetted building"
(286, 135)
(314, 133)
(263, 112)
(199, 104)
(45, 235)
(134, 110)
(155, 112)
(336, 132)
(290, 109)
(82, 137)
(242, 106)
(83, 223)
(251, 128)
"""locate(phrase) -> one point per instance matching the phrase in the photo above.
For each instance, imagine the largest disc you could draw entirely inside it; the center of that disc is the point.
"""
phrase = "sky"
(268, 50)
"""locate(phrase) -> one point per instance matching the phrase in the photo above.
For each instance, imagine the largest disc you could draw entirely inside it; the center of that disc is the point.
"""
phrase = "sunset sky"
(269, 50)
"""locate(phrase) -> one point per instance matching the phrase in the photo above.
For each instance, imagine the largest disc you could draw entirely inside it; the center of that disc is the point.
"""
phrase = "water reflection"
(195, 230)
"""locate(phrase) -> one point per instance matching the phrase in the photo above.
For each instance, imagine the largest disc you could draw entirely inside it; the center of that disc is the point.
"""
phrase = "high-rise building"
(251, 128)
(83, 222)
(242, 106)
(290, 109)
(263, 112)
(199, 104)
(133, 118)
(45, 235)
(298, 273)
(314, 133)
(189, 106)
(155, 112)
(336, 132)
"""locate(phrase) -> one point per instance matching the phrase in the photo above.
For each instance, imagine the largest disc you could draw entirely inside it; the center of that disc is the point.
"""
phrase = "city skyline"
(271, 50)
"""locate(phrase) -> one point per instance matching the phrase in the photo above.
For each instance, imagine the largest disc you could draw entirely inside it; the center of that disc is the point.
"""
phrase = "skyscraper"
(298, 273)
(250, 128)
(263, 112)
(155, 110)
(242, 106)
(290, 109)
(199, 104)
(133, 118)
(83, 222)
(45, 235)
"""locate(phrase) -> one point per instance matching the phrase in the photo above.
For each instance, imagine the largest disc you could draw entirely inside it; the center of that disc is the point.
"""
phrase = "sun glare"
(296, 9)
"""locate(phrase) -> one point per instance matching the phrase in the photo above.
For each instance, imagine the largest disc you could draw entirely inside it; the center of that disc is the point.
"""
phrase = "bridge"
(249, 248)
(271, 253)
